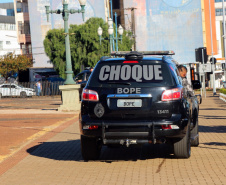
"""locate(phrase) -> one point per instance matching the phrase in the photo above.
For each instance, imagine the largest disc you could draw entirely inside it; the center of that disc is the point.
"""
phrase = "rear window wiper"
(121, 83)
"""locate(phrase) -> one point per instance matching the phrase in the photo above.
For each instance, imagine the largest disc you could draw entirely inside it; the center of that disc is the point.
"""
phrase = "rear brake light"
(172, 94)
(90, 95)
(166, 127)
(131, 62)
(93, 127)
(90, 127)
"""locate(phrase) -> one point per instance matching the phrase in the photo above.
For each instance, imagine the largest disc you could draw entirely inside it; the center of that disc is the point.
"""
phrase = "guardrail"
(222, 97)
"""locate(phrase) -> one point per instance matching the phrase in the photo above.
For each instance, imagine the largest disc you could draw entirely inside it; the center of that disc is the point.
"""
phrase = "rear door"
(132, 89)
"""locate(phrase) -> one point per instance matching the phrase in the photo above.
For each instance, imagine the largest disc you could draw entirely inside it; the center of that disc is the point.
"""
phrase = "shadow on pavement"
(70, 151)
(216, 129)
(212, 117)
(215, 144)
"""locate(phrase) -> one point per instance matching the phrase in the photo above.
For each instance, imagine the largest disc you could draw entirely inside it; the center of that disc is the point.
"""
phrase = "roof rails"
(131, 53)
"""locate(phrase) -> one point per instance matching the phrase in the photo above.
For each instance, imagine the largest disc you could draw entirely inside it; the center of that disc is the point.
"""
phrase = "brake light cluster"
(172, 94)
(166, 127)
(90, 95)
(130, 62)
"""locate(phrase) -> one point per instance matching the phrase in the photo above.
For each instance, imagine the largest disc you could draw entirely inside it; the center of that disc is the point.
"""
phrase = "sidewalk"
(23, 120)
(55, 157)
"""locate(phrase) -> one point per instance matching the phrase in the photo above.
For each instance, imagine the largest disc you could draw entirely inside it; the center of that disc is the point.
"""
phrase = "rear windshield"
(142, 74)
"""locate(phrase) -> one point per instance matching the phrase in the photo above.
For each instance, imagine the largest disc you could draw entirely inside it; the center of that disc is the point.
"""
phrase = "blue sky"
(6, 1)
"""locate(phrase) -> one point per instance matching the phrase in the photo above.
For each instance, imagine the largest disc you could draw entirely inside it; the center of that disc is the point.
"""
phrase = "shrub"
(223, 91)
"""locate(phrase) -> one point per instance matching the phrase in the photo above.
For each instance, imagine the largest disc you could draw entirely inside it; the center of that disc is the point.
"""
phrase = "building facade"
(23, 26)
(220, 73)
(8, 39)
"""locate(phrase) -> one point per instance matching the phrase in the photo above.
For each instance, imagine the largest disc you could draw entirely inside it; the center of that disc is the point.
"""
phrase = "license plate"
(129, 103)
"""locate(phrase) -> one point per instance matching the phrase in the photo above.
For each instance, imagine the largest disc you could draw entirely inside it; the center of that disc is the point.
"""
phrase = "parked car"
(11, 89)
(137, 99)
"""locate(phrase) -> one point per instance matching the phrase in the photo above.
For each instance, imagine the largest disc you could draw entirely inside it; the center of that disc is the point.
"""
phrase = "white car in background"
(12, 89)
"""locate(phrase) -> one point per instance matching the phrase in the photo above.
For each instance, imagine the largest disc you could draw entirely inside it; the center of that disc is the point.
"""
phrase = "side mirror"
(196, 84)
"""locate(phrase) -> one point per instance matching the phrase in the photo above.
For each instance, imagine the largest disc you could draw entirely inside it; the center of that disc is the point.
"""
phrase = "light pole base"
(214, 93)
(70, 98)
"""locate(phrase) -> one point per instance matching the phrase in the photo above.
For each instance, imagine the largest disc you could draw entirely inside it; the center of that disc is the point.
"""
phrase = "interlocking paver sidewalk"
(57, 159)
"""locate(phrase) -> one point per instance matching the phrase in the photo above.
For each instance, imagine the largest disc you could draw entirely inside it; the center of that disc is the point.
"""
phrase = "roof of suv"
(134, 55)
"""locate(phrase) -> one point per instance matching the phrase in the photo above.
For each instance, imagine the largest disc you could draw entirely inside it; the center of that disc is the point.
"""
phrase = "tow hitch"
(109, 137)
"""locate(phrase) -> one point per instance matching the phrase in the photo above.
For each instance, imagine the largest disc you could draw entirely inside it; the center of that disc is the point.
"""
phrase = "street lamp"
(111, 38)
(65, 14)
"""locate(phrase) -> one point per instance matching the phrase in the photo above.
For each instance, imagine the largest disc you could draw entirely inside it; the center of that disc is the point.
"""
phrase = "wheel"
(195, 133)
(182, 148)
(90, 148)
(0, 95)
(23, 94)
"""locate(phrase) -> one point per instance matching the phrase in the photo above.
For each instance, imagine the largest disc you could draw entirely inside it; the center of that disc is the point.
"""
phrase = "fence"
(21, 89)
(222, 97)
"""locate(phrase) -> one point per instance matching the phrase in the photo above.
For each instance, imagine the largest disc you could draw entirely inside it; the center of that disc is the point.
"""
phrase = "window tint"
(143, 74)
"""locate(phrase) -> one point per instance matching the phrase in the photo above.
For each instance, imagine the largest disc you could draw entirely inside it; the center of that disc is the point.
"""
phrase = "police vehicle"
(137, 99)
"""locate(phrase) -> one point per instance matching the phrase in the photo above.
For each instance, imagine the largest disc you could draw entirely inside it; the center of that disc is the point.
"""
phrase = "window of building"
(29, 48)
(219, 12)
(4, 26)
(27, 27)
(19, 10)
(216, 1)
(118, 19)
(8, 43)
(10, 12)
(116, 4)
(26, 8)
(20, 27)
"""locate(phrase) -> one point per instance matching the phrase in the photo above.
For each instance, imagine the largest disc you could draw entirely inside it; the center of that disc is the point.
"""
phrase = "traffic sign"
(204, 68)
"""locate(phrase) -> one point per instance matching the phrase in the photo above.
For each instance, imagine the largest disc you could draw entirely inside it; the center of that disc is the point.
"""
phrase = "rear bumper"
(133, 129)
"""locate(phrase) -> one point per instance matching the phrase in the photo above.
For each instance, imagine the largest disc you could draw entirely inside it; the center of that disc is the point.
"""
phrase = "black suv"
(136, 100)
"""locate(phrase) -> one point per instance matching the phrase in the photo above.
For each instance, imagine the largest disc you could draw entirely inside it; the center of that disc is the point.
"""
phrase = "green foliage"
(223, 91)
(84, 43)
(11, 63)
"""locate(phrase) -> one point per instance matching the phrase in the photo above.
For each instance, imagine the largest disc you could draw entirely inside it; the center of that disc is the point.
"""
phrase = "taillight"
(90, 95)
(172, 94)
(166, 127)
(130, 62)
(93, 127)
(90, 127)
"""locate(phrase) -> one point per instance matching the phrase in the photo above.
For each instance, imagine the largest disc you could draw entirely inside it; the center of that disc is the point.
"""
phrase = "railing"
(222, 97)
(19, 89)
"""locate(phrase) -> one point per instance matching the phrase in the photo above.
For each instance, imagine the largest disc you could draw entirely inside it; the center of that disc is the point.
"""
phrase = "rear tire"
(0, 95)
(23, 94)
(90, 148)
(195, 132)
(182, 148)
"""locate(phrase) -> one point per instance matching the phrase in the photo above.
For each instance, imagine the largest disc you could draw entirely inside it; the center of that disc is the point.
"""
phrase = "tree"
(11, 63)
(84, 43)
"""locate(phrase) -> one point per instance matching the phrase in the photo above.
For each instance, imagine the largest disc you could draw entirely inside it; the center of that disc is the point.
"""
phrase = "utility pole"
(133, 27)
(213, 65)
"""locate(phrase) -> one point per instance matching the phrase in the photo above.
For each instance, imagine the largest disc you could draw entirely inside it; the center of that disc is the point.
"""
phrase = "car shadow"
(215, 129)
(71, 151)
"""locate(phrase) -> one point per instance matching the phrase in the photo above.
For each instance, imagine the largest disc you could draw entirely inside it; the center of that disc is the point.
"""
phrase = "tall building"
(23, 26)
(118, 8)
(178, 25)
(8, 39)
(220, 41)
